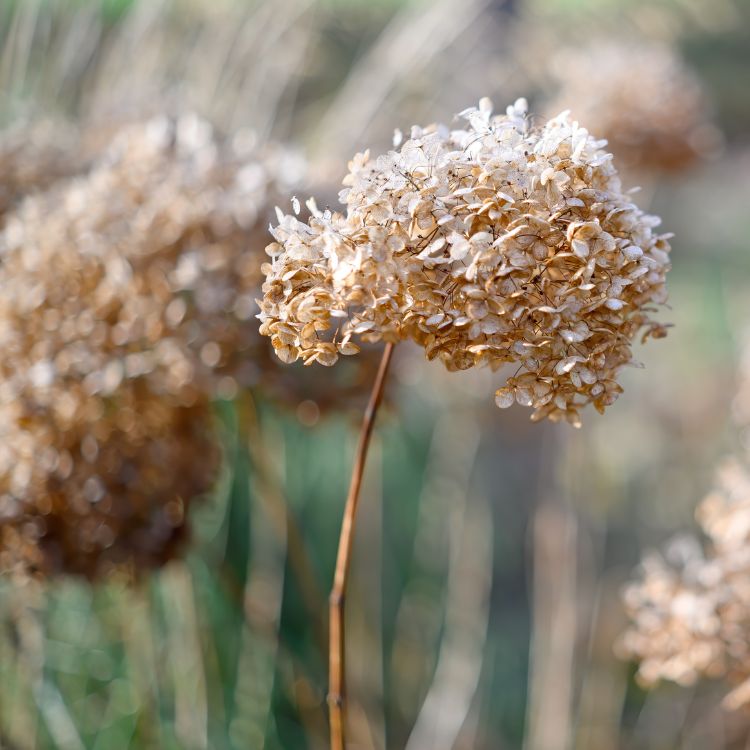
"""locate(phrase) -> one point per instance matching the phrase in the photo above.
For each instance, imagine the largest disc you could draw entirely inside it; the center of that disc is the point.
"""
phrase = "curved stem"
(336, 654)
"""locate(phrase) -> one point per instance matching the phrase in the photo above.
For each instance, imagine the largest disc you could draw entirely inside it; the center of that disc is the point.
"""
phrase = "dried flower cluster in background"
(126, 305)
(691, 609)
(640, 97)
(35, 155)
(502, 243)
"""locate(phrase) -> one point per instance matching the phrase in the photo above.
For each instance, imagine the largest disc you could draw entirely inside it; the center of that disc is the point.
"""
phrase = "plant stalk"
(336, 652)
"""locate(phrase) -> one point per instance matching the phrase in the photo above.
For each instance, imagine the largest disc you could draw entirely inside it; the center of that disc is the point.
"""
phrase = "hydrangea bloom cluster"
(126, 304)
(691, 611)
(162, 228)
(503, 243)
(640, 97)
(90, 483)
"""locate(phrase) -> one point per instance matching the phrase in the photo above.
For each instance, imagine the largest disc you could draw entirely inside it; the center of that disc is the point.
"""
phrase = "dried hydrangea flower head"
(96, 482)
(691, 611)
(503, 243)
(676, 630)
(34, 155)
(641, 97)
(127, 304)
(167, 221)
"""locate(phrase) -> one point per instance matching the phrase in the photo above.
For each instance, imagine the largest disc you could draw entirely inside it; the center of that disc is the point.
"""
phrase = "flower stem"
(336, 653)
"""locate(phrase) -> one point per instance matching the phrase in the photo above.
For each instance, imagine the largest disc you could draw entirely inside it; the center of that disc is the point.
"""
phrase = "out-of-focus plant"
(156, 248)
(641, 97)
(34, 155)
(690, 605)
(500, 244)
(127, 305)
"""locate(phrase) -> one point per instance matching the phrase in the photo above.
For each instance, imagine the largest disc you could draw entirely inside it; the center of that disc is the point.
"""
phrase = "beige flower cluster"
(640, 97)
(691, 611)
(165, 226)
(126, 304)
(503, 243)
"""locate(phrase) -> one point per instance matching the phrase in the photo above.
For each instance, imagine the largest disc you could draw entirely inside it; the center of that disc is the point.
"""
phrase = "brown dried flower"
(166, 226)
(691, 612)
(126, 304)
(641, 97)
(501, 244)
(90, 483)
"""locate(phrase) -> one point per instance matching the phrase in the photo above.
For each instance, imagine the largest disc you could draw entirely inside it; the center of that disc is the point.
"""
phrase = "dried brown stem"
(336, 654)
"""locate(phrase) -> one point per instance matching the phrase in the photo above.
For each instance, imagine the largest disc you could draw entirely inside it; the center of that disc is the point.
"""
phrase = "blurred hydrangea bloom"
(34, 155)
(501, 243)
(165, 224)
(126, 304)
(96, 482)
(641, 97)
(691, 610)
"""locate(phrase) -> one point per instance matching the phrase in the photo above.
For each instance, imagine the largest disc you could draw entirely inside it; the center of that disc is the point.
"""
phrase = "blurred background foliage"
(490, 552)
